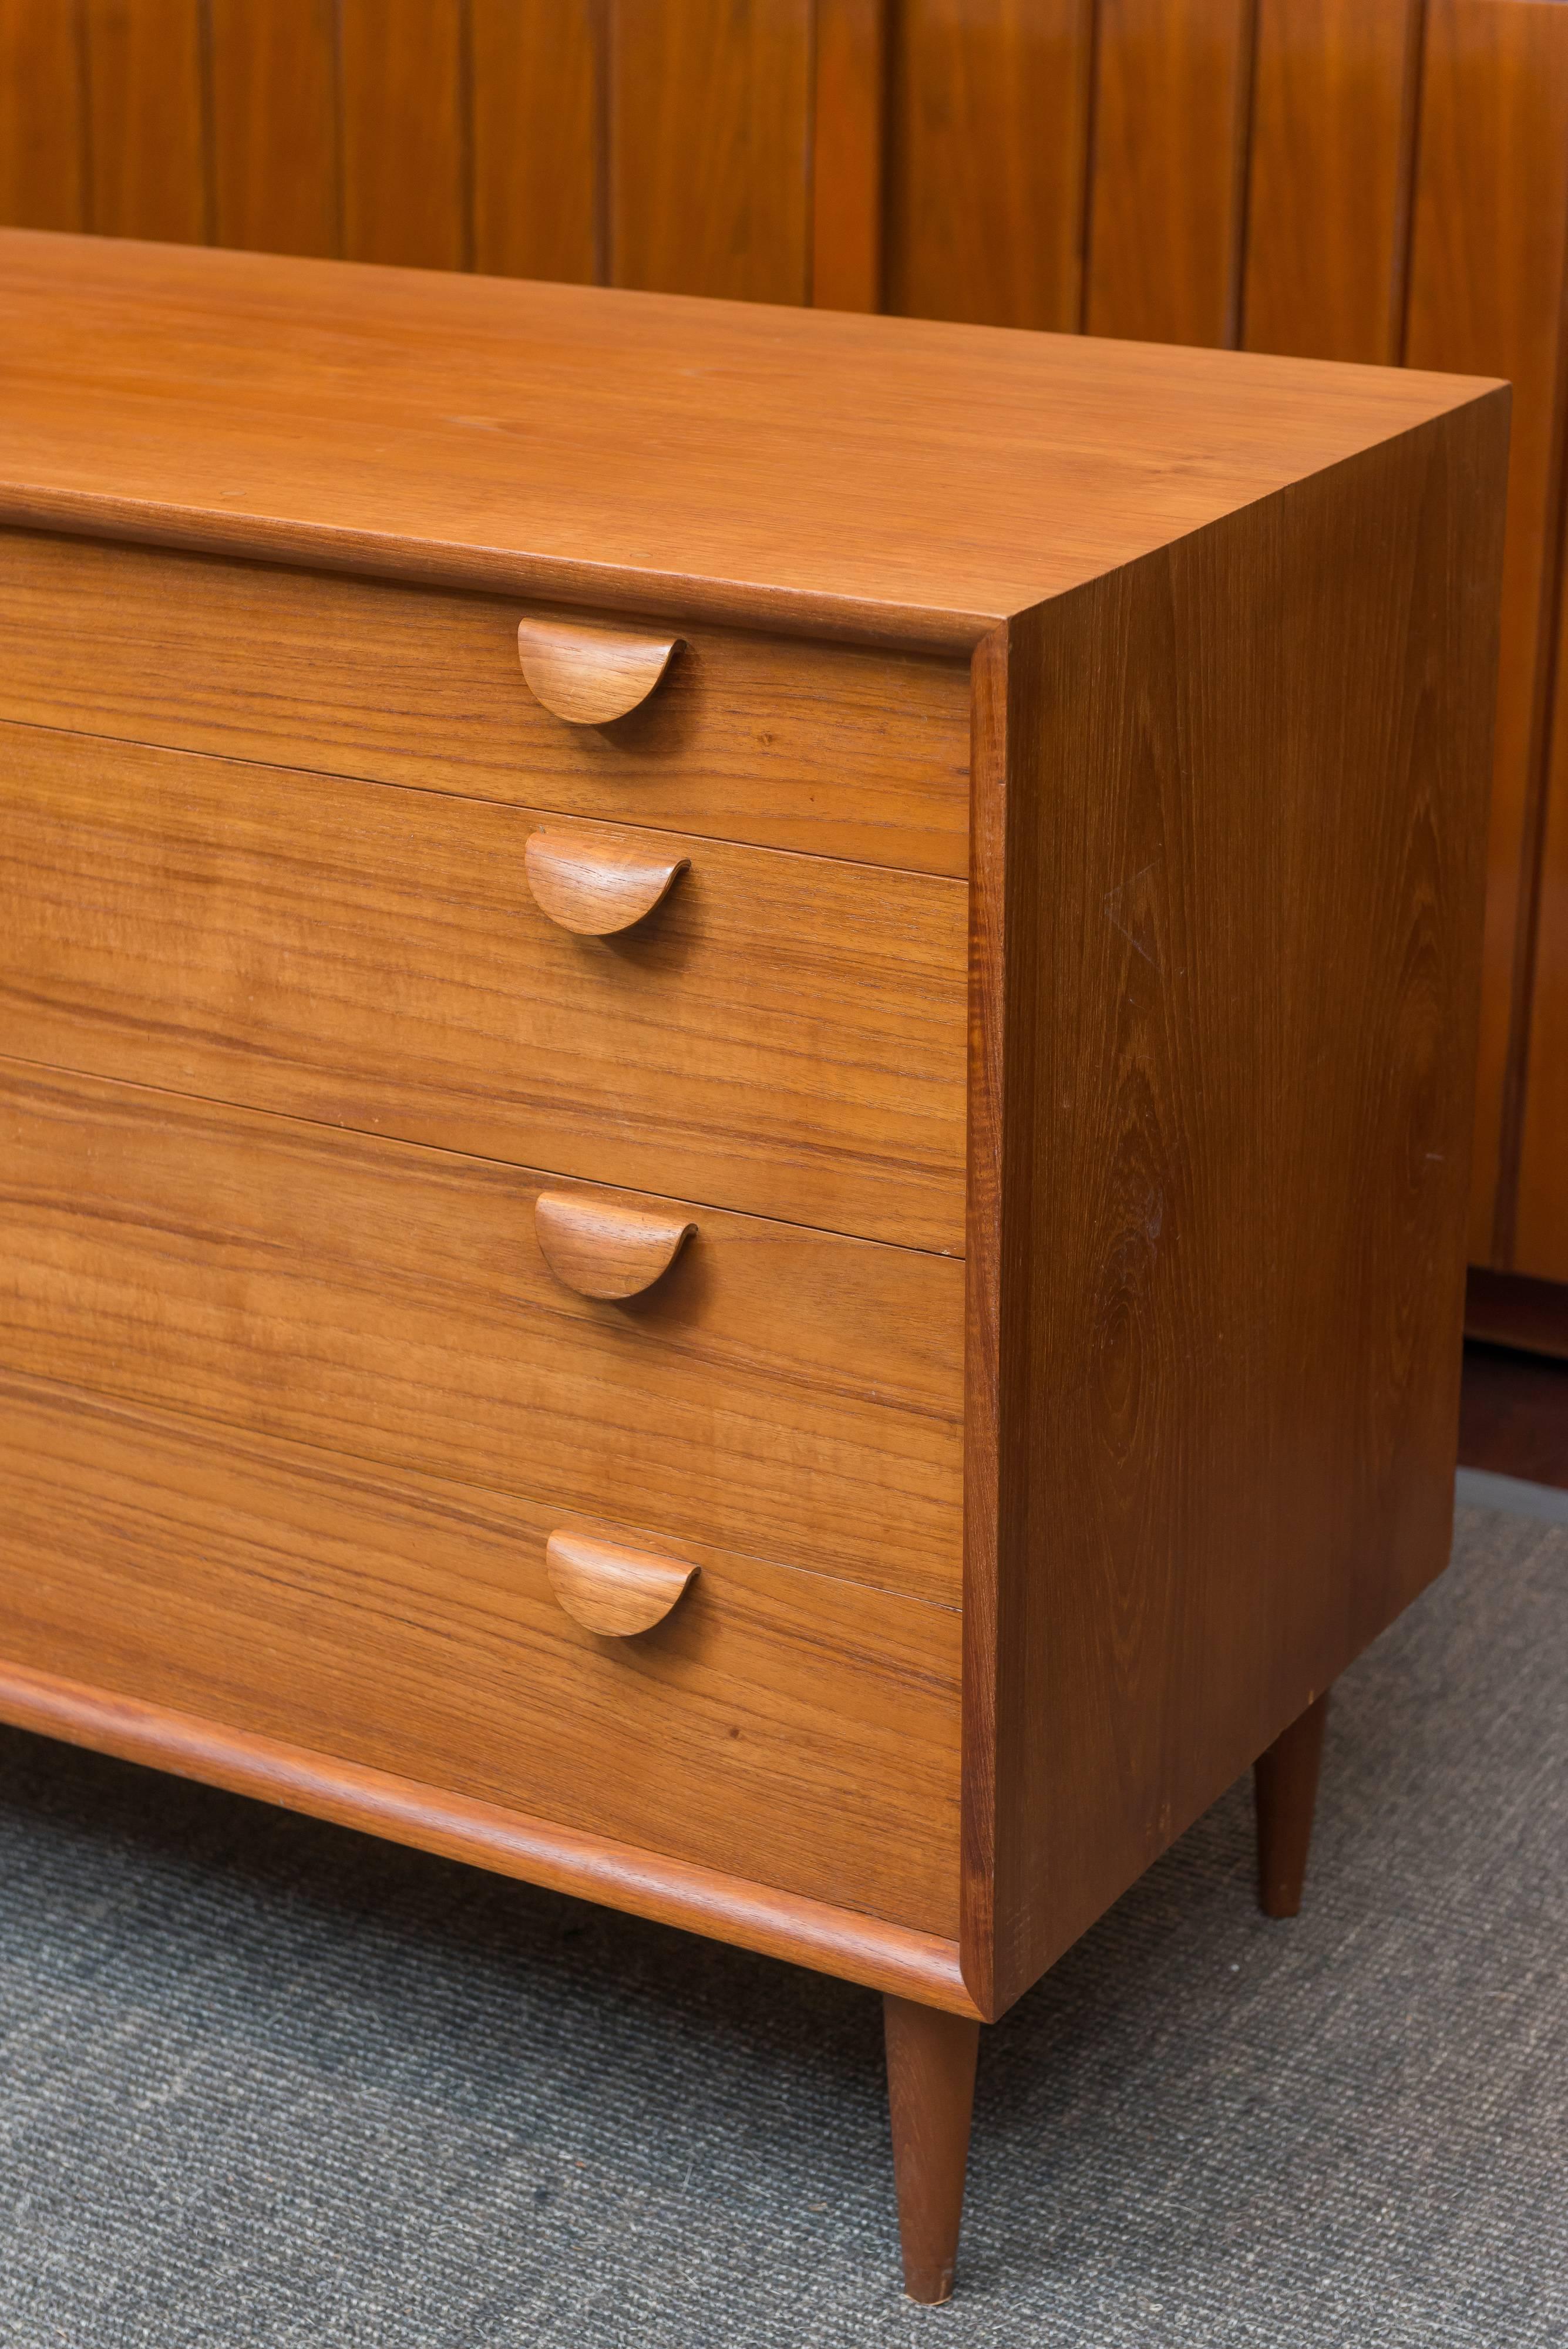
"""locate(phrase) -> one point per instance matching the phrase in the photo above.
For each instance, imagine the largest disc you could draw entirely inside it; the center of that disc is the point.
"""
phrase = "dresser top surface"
(870, 476)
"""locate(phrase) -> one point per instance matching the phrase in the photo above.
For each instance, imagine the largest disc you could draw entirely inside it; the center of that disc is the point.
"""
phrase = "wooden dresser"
(735, 1081)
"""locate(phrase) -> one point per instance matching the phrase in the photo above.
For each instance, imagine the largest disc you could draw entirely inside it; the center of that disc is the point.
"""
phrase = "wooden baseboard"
(1508, 1308)
(881, 1956)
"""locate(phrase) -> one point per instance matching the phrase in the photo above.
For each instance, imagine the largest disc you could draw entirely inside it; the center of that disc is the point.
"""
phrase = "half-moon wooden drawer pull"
(617, 1592)
(588, 671)
(595, 884)
(603, 1250)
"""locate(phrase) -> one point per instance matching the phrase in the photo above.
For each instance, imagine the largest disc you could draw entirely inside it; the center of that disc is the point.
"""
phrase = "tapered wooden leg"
(930, 2089)
(1285, 1779)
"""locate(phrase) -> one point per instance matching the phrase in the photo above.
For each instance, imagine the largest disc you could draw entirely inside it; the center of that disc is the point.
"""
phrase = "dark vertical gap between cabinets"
(603, 29)
(1091, 135)
(84, 103)
(886, 32)
(889, 225)
(207, 101)
(814, 93)
(467, 165)
(1241, 214)
(339, 137)
(1409, 165)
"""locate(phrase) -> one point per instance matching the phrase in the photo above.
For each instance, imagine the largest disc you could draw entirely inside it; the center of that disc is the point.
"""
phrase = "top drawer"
(792, 744)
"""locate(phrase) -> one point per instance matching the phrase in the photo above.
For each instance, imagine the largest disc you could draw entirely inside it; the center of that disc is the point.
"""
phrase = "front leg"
(930, 2093)
(1285, 1781)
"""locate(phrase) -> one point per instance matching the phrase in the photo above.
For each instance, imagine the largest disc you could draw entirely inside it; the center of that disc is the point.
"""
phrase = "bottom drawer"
(779, 1725)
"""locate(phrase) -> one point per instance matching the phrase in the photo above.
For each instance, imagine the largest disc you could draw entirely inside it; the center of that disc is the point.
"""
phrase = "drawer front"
(785, 1392)
(790, 744)
(781, 1034)
(781, 1726)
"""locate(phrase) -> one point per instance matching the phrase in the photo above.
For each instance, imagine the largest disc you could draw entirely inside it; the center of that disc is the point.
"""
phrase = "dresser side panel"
(1247, 790)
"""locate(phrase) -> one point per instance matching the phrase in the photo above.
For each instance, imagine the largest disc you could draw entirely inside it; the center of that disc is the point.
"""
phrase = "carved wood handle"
(603, 1250)
(595, 884)
(588, 671)
(617, 1592)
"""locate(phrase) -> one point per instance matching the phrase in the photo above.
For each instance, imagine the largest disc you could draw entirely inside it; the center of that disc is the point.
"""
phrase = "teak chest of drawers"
(735, 1065)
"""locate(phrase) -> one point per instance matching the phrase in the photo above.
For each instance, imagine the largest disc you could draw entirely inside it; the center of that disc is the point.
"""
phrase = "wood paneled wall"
(1488, 270)
(1372, 180)
(664, 143)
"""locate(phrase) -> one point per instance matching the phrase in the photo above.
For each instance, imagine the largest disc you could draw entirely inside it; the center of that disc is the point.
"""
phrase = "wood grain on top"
(634, 450)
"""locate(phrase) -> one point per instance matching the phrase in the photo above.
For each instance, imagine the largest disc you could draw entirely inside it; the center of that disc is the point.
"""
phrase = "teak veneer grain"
(785, 1035)
(1148, 689)
(1225, 932)
(779, 1726)
(823, 748)
(780, 1389)
(637, 452)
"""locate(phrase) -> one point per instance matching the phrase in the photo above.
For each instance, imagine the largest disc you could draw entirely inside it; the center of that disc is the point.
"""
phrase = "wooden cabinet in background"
(1490, 265)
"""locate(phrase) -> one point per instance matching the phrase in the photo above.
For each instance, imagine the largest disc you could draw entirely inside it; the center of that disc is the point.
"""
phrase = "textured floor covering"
(263, 2082)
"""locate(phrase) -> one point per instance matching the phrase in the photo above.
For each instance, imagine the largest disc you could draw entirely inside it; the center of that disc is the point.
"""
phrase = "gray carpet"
(264, 2082)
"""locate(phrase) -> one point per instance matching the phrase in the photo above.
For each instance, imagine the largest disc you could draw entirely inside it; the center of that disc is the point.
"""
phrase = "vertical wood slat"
(710, 129)
(848, 134)
(988, 160)
(276, 160)
(1168, 194)
(404, 132)
(146, 143)
(537, 138)
(1541, 1239)
(1328, 200)
(42, 150)
(1488, 271)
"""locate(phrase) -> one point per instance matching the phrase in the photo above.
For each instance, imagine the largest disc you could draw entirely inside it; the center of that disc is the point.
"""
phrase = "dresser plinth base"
(869, 1950)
